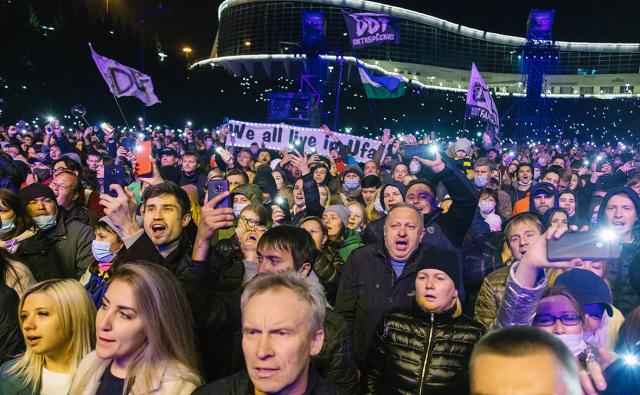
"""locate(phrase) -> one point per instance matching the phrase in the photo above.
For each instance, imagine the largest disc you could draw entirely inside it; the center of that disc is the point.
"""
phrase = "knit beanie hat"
(444, 260)
(352, 169)
(342, 212)
(35, 191)
(463, 145)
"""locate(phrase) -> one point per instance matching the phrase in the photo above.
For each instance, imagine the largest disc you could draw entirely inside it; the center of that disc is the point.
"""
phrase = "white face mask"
(487, 206)
(575, 343)
(237, 209)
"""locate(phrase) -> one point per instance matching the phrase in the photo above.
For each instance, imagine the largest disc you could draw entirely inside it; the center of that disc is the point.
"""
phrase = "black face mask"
(42, 174)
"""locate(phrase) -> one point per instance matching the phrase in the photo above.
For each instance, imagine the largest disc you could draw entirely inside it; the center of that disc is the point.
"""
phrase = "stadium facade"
(261, 38)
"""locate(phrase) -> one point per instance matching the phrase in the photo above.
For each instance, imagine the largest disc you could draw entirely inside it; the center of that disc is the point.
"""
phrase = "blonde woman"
(57, 322)
(144, 337)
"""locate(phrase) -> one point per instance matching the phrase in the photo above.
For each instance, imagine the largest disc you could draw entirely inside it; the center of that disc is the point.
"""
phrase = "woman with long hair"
(20, 237)
(144, 335)
(57, 322)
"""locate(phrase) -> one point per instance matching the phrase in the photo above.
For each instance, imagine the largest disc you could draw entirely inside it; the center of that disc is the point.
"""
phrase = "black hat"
(393, 183)
(35, 191)
(168, 152)
(587, 288)
(264, 179)
(444, 260)
(545, 187)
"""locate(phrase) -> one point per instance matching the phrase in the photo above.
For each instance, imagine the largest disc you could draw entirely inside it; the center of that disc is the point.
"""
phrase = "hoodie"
(624, 272)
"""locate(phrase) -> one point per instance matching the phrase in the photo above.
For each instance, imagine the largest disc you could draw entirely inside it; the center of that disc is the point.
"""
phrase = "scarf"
(12, 245)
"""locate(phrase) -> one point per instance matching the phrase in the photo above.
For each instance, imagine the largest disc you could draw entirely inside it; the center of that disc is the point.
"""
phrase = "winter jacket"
(490, 296)
(240, 384)
(482, 256)
(11, 340)
(82, 214)
(519, 304)
(37, 253)
(328, 267)
(71, 240)
(416, 352)
(368, 288)
(624, 272)
(351, 241)
(172, 381)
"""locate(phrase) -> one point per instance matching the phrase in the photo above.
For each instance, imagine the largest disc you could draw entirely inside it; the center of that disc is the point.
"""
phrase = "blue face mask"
(481, 181)
(7, 226)
(46, 222)
(351, 185)
(102, 251)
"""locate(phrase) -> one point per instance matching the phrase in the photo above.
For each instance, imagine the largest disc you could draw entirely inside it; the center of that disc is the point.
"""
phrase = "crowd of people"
(312, 274)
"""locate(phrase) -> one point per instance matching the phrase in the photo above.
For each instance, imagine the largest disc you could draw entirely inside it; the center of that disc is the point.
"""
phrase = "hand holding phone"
(216, 188)
(144, 167)
(589, 246)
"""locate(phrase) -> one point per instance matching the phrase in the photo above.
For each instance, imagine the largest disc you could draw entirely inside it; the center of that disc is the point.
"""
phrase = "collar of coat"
(448, 315)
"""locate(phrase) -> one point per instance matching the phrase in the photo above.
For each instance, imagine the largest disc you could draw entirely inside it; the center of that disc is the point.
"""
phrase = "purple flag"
(480, 104)
(125, 81)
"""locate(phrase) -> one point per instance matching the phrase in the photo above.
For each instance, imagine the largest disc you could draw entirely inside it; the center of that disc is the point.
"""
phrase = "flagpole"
(340, 61)
(373, 116)
(120, 108)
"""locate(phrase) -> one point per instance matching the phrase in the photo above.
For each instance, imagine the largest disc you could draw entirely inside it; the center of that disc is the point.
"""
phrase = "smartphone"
(284, 205)
(113, 174)
(215, 188)
(129, 143)
(408, 151)
(589, 246)
(143, 151)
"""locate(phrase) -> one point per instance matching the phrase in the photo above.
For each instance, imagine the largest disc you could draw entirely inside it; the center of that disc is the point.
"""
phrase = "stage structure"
(304, 107)
(540, 58)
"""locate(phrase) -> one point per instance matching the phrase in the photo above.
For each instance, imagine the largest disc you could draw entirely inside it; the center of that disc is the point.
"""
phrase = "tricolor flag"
(381, 87)
(125, 81)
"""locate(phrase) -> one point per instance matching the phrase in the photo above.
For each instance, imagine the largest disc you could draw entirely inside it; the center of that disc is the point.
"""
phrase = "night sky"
(45, 66)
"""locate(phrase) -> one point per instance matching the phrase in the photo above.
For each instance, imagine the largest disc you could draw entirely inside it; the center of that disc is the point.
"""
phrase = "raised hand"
(121, 209)
(301, 162)
(155, 178)
(437, 165)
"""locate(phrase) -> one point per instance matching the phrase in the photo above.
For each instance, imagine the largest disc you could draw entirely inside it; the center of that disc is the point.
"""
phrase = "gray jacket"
(519, 304)
(71, 240)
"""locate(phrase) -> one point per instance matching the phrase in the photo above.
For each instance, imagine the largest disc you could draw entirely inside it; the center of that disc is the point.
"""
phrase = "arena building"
(261, 38)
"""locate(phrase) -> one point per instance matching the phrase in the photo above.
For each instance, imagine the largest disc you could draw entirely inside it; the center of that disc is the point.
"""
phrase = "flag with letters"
(125, 81)
(480, 104)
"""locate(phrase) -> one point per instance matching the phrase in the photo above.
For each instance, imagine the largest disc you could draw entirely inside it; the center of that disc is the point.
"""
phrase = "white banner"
(125, 81)
(276, 136)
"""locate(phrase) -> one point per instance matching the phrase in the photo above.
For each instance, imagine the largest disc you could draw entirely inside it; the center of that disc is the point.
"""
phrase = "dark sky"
(42, 74)
(194, 21)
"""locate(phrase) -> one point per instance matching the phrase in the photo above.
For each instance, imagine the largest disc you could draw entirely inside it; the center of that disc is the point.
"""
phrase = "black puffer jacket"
(415, 352)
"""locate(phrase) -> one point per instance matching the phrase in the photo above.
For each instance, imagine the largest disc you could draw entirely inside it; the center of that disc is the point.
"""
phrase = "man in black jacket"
(380, 277)
(282, 316)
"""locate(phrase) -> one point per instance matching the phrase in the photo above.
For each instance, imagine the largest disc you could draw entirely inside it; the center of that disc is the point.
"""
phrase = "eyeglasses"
(55, 185)
(550, 320)
(250, 221)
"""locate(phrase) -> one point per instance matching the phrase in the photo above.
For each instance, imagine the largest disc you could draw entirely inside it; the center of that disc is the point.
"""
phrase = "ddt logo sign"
(370, 29)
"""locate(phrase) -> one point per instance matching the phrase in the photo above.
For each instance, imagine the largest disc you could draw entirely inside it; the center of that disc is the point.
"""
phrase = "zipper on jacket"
(426, 356)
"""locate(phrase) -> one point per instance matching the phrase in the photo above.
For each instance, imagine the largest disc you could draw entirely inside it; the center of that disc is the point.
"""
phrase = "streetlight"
(187, 52)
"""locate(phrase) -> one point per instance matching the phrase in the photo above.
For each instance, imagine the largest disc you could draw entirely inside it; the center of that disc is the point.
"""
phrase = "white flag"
(125, 81)
(480, 104)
